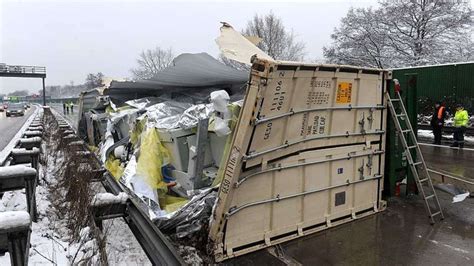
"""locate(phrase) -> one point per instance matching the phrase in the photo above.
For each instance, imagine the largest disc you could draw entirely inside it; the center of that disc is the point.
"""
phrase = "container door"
(307, 154)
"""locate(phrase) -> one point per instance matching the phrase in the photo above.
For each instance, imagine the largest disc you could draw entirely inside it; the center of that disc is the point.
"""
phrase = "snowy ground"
(51, 242)
(49, 246)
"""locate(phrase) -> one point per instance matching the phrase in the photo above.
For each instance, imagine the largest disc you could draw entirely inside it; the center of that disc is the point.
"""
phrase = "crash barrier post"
(17, 177)
(15, 226)
(15, 230)
(106, 206)
(30, 143)
(23, 155)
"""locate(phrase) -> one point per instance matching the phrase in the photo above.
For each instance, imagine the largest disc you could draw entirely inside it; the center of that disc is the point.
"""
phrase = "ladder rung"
(436, 213)
(394, 100)
(423, 180)
(417, 163)
(430, 196)
(406, 130)
(411, 147)
(400, 115)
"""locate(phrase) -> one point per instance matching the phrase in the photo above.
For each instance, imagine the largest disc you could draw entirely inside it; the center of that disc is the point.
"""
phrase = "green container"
(452, 83)
(421, 87)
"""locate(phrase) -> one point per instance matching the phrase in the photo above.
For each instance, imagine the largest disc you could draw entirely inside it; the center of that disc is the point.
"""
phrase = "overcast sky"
(73, 39)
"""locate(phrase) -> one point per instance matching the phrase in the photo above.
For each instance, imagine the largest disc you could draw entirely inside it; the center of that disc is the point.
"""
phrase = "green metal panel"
(397, 167)
(452, 83)
(421, 87)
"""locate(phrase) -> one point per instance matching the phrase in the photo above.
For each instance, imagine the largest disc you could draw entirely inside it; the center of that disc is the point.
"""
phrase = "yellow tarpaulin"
(114, 167)
(153, 155)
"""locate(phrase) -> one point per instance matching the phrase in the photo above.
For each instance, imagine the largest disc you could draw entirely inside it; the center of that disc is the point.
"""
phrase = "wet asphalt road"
(9, 126)
(71, 116)
(400, 235)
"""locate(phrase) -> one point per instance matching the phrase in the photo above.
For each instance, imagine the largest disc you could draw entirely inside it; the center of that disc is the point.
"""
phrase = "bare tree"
(359, 40)
(277, 41)
(94, 80)
(152, 61)
(402, 33)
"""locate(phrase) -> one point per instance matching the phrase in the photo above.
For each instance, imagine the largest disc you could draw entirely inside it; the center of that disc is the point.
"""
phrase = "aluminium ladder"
(409, 142)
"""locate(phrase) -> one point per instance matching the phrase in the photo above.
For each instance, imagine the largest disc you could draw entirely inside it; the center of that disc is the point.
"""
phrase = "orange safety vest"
(440, 112)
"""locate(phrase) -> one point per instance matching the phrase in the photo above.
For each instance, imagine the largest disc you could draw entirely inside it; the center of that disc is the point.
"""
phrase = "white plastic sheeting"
(137, 183)
(165, 114)
(192, 115)
(191, 217)
(238, 48)
(220, 99)
(168, 114)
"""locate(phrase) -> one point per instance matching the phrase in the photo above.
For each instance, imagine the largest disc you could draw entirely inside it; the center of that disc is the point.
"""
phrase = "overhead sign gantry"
(24, 72)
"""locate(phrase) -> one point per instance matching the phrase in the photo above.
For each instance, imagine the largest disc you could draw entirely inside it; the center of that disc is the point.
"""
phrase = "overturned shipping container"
(307, 154)
(302, 153)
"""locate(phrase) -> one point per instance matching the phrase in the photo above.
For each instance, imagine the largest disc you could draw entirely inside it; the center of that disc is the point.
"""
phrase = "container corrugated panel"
(307, 154)
(437, 82)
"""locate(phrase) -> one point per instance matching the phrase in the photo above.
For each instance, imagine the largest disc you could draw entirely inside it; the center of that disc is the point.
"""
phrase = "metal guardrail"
(6, 152)
(447, 129)
(15, 239)
(459, 181)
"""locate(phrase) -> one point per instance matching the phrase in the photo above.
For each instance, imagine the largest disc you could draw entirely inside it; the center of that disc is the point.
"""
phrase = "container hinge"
(370, 118)
(369, 163)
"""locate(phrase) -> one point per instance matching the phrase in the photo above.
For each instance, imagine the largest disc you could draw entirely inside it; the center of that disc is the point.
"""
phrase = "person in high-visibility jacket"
(460, 123)
(437, 121)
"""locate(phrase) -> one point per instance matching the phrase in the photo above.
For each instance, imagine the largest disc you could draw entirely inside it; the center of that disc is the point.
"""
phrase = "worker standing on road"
(67, 108)
(72, 107)
(64, 107)
(460, 123)
(437, 121)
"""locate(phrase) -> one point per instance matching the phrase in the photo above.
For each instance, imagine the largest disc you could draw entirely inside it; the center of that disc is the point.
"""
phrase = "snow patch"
(16, 171)
(14, 219)
(30, 140)
(101, 199)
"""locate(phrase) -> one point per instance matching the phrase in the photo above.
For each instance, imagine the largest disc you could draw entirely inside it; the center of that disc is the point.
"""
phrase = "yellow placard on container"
(344, 91)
